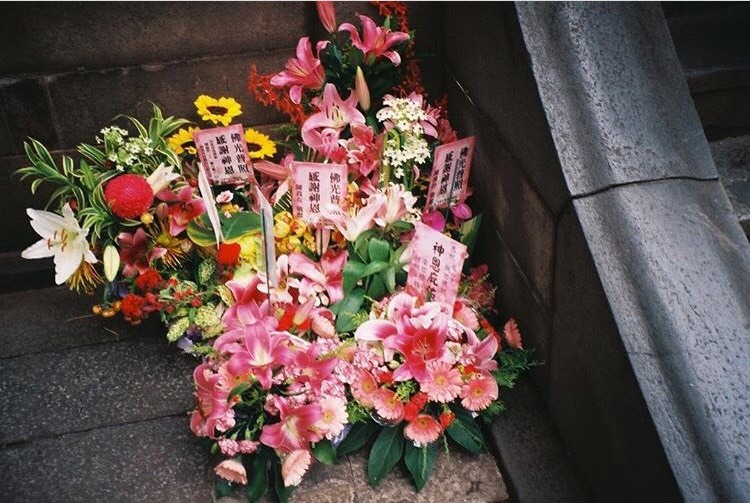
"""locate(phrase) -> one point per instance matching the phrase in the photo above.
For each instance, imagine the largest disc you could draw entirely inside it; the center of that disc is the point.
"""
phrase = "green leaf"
(376, 289)
(465, 431)
(324, 452)
(386, 452)
(239, 225)
(375, 267)
(356, 438)
(200, 232)
(352, 274)
(419, 462)
(379, 250)
(347, 309)
(389, 279)
(282, 491)
(256, 466)
(222, 488)
(239, 389)
(469, 231)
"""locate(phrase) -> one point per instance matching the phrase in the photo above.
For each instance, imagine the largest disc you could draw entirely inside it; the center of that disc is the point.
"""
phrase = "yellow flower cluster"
(291, 233)
(251, 251)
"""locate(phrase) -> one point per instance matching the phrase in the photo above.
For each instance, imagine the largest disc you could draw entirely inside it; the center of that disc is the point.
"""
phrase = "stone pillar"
(673, 261)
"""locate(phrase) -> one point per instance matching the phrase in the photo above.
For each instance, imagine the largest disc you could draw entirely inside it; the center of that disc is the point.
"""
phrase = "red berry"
(129, 196)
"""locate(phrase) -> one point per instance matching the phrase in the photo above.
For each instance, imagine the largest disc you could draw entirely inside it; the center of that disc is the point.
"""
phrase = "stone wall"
(534, 245)
(67, 69)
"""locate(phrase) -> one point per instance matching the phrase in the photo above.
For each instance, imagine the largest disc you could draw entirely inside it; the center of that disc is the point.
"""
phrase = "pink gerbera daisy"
(232, 470)
(294, 467)
(334, 416)
(423, 430)
(443, 382)
(388, 405)
(479, 393)
(365, 388)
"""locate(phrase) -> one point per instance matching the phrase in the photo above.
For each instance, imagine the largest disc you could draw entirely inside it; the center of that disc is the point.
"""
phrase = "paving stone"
(92, 386)
(594, 397)
(484, 52)
(732, 158)
(724, 112)
(530, 451)
(614, 96)
(17, 273)
(456, 477)
(174, 87)
(54, 319)
(27, 112)
(504, 191)
(65, 37)
(150, 461)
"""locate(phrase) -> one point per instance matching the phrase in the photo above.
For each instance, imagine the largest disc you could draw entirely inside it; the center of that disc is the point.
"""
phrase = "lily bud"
(327, 15)
(361, 90)
(111, 262)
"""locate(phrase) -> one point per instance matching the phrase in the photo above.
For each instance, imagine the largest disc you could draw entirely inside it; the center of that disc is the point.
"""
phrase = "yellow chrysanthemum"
(291, 233)
(251, 251)
(259, 146)
(222, 110)
(182, 141)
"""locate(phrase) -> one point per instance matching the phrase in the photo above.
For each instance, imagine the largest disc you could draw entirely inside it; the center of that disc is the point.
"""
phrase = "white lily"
(161, 178)
(62, 238)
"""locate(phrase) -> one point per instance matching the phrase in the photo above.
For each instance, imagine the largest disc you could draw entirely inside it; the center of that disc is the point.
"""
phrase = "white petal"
(40, 249)
(45, 223)
(66, 263)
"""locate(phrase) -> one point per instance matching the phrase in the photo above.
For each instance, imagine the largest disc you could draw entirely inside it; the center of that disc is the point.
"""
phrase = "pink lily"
(303, 72)
(184, 209)
(481, 354)
(263, 353)
(295, 430)
(327, 15)
(134, 252)
(311, 369)
(362, 150)
(334, 113)
(399, 203)
(213, 411)
(249, 310)
(318, 276)
(352, 227)
(376, 40)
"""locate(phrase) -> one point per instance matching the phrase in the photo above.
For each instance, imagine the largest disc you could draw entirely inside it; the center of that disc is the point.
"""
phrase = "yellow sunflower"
(259, 146)
(221, 110)
(182, 141)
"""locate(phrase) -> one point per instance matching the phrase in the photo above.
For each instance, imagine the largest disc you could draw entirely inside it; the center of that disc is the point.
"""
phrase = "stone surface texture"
(672, 260)
(639, 121)
(456, 477)
(732, 158)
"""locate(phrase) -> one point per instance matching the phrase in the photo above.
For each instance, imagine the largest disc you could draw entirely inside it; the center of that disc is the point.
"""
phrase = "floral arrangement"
(313, 343)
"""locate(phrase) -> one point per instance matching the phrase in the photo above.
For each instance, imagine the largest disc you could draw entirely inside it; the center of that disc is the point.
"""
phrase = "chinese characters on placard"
(223, 152)
(314, 186)
(450, 174)
(435, 267)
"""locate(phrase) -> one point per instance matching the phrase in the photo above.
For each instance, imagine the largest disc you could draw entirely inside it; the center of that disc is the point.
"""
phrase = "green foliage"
(357, 437)
(420, 461)
(256, 466)
(512, 362)
(386, 452)
(324, 452)
(346, 310)
(465, 431)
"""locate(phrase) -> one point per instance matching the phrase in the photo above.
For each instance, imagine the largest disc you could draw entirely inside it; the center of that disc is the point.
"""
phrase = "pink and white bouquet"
(322, 277)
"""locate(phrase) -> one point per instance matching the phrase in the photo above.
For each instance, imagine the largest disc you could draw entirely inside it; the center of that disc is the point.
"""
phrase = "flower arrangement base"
(456, 477)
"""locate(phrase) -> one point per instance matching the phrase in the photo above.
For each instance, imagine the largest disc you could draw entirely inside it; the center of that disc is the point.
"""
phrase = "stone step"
(456, 477)
(732, 159)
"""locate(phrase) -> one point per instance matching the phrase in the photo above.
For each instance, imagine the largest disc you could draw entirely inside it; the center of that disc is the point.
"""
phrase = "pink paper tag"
(450, 174)
(314, 186)
(223, 152)
(435, 267)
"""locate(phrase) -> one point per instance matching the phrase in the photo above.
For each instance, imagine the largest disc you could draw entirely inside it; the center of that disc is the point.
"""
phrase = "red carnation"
(129, 196)
(228, 253)
(132, 307)
(147, 280)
